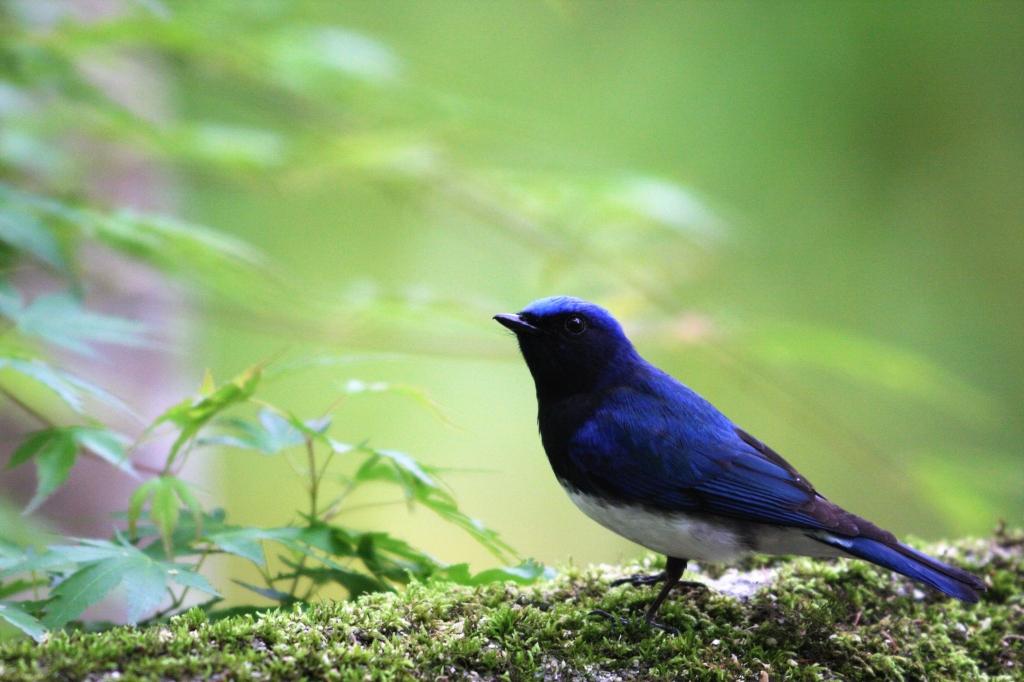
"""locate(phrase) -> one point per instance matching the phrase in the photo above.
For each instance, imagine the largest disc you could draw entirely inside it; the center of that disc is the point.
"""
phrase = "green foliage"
(317, 553)
(165, 495)
(54, 451)
(61, 320)
(808, 620)
(192, 415)
(143, 566)
(16, 616)
(97, 567)
(47, 225)
(71, 389)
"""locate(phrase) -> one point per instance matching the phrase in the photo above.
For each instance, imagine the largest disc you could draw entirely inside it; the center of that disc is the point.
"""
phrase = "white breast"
(707, 538)
(677, 535)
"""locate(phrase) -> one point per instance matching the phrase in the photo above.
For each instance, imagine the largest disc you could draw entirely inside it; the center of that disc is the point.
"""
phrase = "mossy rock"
(787, 619)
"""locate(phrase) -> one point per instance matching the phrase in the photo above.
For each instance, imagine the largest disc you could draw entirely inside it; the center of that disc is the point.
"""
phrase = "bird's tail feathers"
(908, 561)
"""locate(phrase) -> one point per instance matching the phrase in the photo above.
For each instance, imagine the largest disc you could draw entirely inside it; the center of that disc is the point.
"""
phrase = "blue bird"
(650, 459)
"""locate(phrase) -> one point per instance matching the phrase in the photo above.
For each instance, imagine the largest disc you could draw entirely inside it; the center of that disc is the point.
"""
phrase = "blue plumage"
(916, 565)
(652, 460)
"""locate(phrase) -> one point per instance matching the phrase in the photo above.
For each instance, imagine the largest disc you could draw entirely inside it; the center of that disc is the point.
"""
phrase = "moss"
(816, 620)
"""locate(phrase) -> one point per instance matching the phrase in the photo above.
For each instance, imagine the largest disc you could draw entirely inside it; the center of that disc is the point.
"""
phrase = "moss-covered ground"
(812, 620)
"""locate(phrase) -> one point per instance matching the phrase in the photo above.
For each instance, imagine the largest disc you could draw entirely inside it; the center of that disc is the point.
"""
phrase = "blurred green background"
(811, 213)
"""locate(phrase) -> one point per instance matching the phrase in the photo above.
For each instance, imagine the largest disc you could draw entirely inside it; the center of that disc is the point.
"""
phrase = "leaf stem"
(314, 479)
(314, 501)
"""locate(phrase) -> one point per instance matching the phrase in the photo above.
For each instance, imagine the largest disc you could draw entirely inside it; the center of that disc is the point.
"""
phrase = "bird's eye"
(575, 324)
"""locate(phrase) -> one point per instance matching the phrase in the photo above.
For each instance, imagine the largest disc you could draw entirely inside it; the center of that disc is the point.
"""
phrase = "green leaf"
(52, 378)
(270, 593)
(488, 538)
(165, 494)
(281, 434)
(68, 387)
(104, 443)
(173, 245)
(186, 577)
(393, 559)
(55, 559)
(525, 573)
(14, 615)
(187, 533)
(239, 433)
(273, 434)
(354, 582)
(18, 586)
(184, 493)
(407, 464)
(243, 542)
(421, 487)
(88, 550)
(23, 231)
(168, 242)
(333, 540)
(54, 452)
(30, 446)
(164, 510)
(192, 415)
(137, 501)
(100, 566)
(61, 319)
(82, 589)
(145, 586)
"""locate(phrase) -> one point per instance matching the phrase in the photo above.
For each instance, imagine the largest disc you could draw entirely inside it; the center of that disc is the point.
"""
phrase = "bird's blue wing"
(678, 453)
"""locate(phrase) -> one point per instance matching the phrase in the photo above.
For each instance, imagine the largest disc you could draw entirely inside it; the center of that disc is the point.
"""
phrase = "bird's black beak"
(515, 323)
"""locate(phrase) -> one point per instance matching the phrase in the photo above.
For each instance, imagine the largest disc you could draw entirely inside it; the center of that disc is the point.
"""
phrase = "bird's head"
(570, 345)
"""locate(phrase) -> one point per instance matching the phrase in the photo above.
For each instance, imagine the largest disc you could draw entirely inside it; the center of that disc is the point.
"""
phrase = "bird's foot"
(639, 579)
(623, 621)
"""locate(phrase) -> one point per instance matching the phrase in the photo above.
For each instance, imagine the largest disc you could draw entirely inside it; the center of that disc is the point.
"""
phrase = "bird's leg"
(636, 580)
(670, 576)
(673, 572)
